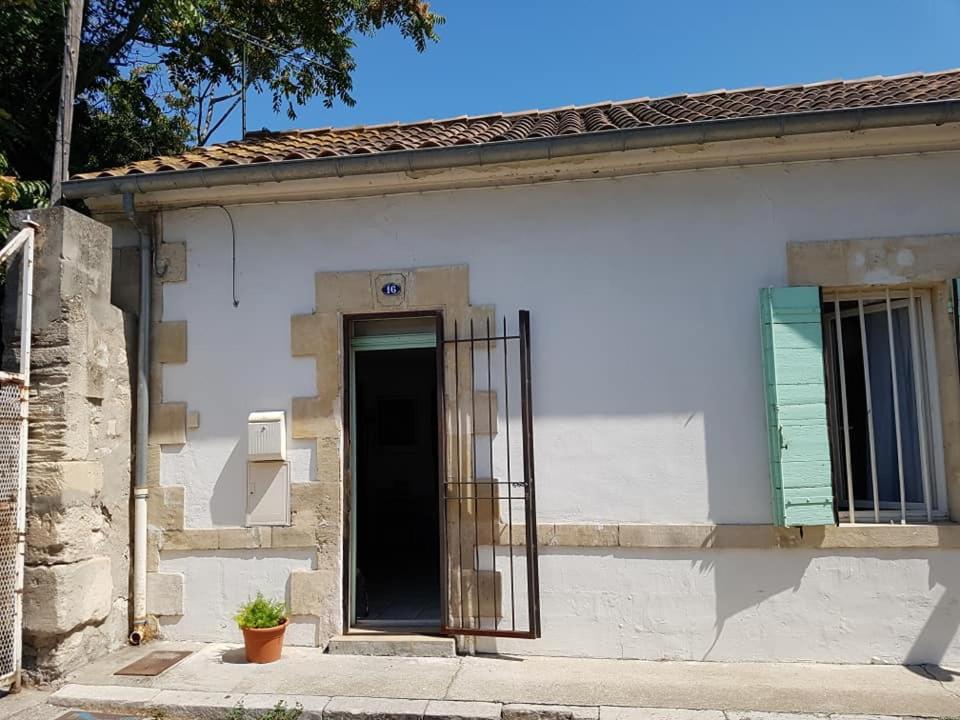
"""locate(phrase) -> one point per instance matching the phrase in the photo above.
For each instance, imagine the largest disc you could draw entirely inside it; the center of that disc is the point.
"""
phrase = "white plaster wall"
(647, 380)
(216, 583)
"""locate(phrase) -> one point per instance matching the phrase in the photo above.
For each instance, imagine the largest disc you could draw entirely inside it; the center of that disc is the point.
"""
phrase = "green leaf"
(261, 613)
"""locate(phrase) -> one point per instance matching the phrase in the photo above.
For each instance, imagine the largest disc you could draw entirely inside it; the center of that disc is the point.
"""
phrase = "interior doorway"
(394, 543)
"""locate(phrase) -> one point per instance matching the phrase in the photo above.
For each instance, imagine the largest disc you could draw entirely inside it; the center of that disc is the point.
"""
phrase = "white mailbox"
(266, 437)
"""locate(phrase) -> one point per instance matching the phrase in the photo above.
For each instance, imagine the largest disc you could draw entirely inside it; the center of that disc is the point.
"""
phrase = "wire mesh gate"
(14, 399)
(490, 574)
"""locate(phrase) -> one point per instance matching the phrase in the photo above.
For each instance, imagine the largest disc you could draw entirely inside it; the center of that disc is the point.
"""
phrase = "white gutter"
(496, 153)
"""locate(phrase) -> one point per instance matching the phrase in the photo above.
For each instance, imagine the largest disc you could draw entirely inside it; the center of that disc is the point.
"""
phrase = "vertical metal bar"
(533, 571)
(26, 331)
(493, 484)
(866, 381)
(954, 293)
(506, 422)
(350, 499)
(921, 416)
(851, 501)
(473, 457)
(442, 469)
(456, 396)
(896, 410)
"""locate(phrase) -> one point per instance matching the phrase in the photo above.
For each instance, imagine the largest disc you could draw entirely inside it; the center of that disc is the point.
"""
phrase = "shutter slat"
(795, 392)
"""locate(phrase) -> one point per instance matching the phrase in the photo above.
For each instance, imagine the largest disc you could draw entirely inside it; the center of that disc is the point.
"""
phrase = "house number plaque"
(391, 288)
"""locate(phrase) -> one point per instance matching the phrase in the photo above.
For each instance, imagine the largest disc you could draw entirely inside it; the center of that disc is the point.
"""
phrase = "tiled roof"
(269, 147)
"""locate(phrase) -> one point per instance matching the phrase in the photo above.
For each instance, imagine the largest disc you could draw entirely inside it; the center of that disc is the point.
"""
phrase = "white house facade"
(725, 428)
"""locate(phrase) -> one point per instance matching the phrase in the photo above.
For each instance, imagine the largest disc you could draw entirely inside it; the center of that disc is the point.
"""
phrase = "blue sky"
(507, 55)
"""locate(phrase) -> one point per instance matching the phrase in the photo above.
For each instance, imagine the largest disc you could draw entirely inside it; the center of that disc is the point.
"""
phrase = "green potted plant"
(263, 623)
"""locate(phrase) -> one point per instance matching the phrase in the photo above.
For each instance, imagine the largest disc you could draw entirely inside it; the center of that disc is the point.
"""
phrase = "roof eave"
(498, 153)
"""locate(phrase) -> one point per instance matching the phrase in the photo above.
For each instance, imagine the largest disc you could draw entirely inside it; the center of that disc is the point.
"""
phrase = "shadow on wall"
(228, 502)
(940, 629)
(731, 594)
(829, 613)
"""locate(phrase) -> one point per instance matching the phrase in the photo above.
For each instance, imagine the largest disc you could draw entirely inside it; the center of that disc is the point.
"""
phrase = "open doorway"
(395, 563)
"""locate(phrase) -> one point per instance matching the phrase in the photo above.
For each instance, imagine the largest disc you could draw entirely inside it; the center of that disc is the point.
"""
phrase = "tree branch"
(110, 49)
(221, 98)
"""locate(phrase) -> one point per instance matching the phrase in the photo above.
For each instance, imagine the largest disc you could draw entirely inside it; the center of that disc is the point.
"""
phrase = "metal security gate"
(490, 574)
(14, 398)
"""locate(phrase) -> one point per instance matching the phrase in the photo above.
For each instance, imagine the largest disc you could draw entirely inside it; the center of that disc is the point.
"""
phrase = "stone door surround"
(320, 592)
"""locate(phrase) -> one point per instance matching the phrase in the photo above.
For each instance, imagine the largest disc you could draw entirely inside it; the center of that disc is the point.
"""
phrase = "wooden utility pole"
(68, 88)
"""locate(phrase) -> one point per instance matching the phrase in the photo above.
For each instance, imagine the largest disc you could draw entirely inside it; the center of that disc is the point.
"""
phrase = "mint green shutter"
(795, 393)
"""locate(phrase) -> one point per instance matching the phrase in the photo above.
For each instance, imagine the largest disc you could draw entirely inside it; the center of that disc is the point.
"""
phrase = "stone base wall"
(76, 582)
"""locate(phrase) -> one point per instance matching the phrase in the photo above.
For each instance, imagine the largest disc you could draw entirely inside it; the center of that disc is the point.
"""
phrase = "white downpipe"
(139, 565)
(140, 491)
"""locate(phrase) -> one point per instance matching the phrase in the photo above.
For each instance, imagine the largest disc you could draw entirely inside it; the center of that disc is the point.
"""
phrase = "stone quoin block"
(172, 261)
(440, 286)
(315, 334)
(154, 538)
(484, 405)
(346, 291)
(165, 507)
(310, 591)
(488, 583)
(165, 594)
(328, 459)
(153, 465)
(292, 537)
(312, 418)
(170, 342)
(168, 424)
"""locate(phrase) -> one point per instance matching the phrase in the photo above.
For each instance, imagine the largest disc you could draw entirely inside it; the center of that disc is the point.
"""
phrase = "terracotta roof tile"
(638, 113)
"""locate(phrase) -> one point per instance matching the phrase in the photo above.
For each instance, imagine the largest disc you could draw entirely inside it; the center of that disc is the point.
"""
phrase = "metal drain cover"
(154, 663)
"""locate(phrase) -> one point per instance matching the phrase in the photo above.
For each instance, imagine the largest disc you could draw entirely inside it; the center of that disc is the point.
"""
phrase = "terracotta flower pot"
(264, 645)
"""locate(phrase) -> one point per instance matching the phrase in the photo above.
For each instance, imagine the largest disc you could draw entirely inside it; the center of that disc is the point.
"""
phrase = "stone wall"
(78, 469)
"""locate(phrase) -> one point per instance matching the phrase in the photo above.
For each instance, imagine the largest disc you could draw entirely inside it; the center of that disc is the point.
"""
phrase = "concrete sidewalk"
(489, 687)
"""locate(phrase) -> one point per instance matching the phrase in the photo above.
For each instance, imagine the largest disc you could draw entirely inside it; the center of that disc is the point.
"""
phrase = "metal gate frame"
(13, 490)
(464, 492)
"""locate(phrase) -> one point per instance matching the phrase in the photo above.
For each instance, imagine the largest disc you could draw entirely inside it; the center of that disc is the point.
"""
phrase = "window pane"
(394, 326)
(884, 425)
(857, 430)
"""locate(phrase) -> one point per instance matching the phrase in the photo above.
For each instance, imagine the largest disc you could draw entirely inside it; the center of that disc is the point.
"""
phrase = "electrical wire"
(233, 233)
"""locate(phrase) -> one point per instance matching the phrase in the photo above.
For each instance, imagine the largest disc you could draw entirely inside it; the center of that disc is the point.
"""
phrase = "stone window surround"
(927, 260)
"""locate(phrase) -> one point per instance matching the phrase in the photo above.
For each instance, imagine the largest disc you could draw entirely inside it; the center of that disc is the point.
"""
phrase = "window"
(882, 403)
